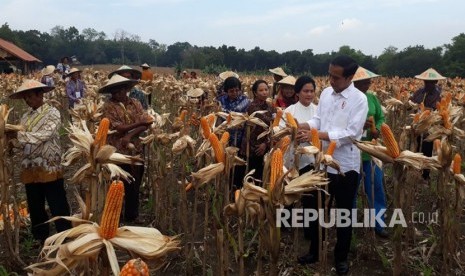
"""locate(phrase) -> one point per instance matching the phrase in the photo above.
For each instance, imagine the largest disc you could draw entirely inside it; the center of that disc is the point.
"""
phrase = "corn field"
(197, 223)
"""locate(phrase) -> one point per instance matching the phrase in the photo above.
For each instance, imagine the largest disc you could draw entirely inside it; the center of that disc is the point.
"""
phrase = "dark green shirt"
(375, 110)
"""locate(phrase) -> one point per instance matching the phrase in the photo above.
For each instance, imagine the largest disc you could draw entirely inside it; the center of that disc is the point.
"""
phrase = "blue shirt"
(240, 104)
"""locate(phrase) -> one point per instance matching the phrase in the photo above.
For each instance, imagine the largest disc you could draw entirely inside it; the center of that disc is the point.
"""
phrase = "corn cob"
(425, 113)
(290, 120)
(182, 116)
(457, 164)
(279, 115)
(422, 107)
(416, 118)
(211, 119)
(217, 148)
(237, 194)
(390, 141)
(447, 99)
(315, 138)
(331, 148)
(284, 143)
(102, 132)
(276, 167)
(205, 127)
(225, 139)
(135, 267)
(112, 210)
(445, 119)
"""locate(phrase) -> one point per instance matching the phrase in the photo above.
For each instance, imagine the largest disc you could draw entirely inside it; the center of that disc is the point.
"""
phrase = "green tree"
(454, 57)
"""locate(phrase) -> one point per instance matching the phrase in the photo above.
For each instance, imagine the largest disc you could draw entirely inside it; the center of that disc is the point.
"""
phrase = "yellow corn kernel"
(331, 148)
(279, 115)
(102, 132)
(225, 139)
(315, 138)
(276, 167)
(217, 148)
(205, 127)
(390, 141)
(457, 164)
(112, 210)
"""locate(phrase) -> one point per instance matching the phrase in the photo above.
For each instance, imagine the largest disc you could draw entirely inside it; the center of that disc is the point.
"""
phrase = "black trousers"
(256, 163)
(131, 191)
(342, 190)
(55, 194)
(427, 150)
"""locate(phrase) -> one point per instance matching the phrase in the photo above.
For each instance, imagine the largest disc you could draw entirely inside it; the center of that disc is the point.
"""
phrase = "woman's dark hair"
(231, 82)
(349, 64)
(255, 86)
(301, 81)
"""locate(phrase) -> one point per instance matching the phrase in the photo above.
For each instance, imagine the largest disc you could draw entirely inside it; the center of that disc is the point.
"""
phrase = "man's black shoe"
(383, 233)
(342, 268)
(307, 259)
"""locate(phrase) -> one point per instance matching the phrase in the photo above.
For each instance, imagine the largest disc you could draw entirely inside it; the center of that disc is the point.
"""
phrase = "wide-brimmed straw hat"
(145, 65)
(278, 71)
(430, 74)
(136, 74)
(226, 74)
(194, 93)
(49, 69)
(363, 74)
(289, 80)
(116, 81)
(30, 85)
(72, 71)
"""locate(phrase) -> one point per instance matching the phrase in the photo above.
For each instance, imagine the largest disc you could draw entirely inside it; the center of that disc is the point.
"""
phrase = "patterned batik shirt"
(131, 113)
(41, 159)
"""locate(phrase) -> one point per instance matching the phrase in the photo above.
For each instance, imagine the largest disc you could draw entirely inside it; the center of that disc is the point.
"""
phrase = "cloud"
(350, 24)
(282, 14)
(319, 30)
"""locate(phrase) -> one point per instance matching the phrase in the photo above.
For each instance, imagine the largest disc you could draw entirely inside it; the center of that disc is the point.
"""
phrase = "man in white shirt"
(340, 115)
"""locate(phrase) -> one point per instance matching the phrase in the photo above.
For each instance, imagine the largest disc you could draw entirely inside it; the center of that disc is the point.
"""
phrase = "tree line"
(93, 47)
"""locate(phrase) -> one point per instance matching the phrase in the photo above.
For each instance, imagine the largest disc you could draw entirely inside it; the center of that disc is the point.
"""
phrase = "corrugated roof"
(16, 51)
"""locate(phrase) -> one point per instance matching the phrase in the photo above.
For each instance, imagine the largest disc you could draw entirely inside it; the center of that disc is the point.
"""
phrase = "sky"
(323, 26)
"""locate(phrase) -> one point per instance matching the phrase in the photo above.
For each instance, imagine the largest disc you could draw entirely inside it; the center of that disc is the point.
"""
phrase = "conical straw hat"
(363, 74)
(49, 69)
(430, 74)
(226, 74)
(278, 71)
(194, 93)
(30, 85)
(289, 80)
(116, 81)
(136, 74)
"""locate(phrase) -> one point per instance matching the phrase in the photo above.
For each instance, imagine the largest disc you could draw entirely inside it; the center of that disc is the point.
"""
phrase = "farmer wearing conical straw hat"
(135, 93)
(278, 74)
(373, 175)
(429, 95)
(41, 169)
(129, 119)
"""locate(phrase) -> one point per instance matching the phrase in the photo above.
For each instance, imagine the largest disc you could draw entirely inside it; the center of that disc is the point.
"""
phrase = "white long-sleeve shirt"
(302, 114)
(342, 115)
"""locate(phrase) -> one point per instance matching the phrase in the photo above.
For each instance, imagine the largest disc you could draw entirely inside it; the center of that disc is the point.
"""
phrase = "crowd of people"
(346, 110)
